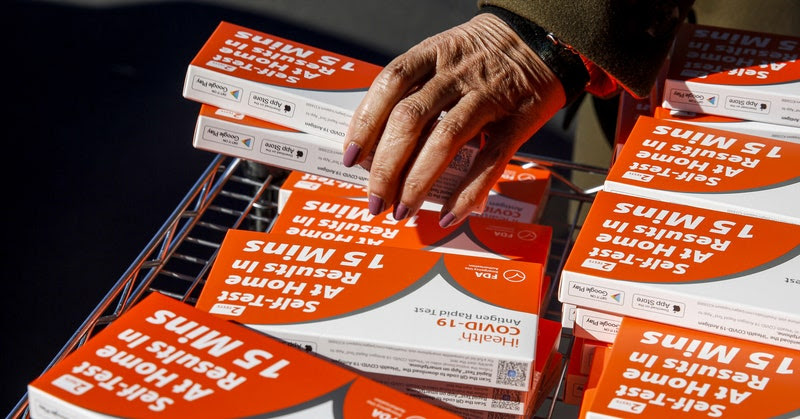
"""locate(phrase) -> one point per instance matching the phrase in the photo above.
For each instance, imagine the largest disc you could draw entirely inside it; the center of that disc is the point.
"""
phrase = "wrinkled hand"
(486, 79)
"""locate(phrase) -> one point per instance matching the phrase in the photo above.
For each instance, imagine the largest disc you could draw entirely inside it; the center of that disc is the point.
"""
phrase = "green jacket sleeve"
(628, 39)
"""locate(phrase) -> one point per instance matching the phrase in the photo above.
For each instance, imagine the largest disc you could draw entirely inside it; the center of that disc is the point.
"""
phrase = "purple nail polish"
(448, 219)
(400, 211)
(375, 205)
(351, 154)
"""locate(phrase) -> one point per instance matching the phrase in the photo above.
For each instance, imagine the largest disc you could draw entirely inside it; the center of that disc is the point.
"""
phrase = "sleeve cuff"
(565, 63)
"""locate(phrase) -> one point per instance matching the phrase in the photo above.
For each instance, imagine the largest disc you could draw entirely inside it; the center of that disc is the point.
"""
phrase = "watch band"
(565, 63)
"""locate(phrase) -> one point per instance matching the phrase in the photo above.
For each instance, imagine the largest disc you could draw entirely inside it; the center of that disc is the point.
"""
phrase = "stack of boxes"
(459, 326)
(683, 282)
(463, 325)
(404, 308)
(322, 209)
(306, 96)
(658, 370)
(165, 358)
(681, 289)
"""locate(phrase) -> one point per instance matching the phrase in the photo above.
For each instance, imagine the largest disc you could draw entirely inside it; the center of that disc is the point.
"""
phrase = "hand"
(486, 79)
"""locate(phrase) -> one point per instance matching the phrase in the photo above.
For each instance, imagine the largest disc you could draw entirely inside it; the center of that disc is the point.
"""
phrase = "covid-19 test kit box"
(693, 267)
(519, 195)
(709, 168)
(278, 80)
(727, 123)
(662, 371)
(476, 402)
(737, 73)
(235, 134)
(596, 325)
(381, 309)
(164, 358)
(314, 215)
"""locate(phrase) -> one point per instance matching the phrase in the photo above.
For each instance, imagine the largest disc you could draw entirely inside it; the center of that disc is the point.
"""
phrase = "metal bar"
(203, 200)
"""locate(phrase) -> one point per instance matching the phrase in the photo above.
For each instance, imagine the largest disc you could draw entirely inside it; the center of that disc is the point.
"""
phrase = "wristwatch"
(565, 62)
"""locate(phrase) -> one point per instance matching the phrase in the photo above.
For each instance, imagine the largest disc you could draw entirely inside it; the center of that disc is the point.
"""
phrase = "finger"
(503, 138)
(409, 120)
(461, 123)
(393, 83)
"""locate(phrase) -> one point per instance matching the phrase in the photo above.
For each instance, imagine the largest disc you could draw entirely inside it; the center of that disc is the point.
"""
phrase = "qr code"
(506, 399)
(463, 160)
(512, 373)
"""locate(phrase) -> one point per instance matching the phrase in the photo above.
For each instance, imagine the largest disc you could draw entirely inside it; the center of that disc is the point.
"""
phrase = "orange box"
(578, 368)
(664, 371)
(733, 72)
(709, 168)
(278, 80)
(473, 401)
(382, 309)
(164, 358)
(519, 195)
(599, 361)
(726, 123)
(314, 215)
(324, 185)
(235, 134)
(596, 324)
(707, 270)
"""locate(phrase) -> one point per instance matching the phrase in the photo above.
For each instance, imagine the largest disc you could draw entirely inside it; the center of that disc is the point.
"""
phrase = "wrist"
(565, 63)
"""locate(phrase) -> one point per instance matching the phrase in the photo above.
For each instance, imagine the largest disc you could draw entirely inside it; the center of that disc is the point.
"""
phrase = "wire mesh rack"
(238, 194)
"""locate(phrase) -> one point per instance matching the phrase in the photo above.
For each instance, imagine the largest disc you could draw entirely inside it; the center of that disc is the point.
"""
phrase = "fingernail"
(375, 205)
(448, 219)
(351, 154)
(400, 211)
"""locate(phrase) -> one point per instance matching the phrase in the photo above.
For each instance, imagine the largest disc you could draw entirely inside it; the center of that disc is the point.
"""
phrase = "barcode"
(511, 373)
(462, 160)
(505, 399)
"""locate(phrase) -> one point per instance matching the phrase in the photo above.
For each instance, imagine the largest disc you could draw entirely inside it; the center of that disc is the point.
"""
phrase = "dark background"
(98, 153)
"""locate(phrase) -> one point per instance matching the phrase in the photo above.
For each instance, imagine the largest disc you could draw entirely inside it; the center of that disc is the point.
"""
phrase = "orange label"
(642, 240)
(384, 309)
(519, 195)
(270, 278)
(164, 358)
(599, 360)
(547, 343)
(681, 157)
(717, 55)
(268, 59)
(340, 219)
(660, 371)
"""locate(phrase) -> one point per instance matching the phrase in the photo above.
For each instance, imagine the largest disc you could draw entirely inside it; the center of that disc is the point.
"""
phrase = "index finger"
(393, 83)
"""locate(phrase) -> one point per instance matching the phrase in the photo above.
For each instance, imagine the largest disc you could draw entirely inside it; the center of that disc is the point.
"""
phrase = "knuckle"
(399, 69)
(380, 173)
(408, 112)
(448, 131)
(365, 120)
(414, 188)
(468, 199)
(398, 73)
